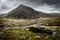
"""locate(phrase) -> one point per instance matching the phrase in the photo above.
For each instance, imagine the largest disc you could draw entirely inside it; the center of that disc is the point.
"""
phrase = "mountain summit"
(26, 12)
(22, 12)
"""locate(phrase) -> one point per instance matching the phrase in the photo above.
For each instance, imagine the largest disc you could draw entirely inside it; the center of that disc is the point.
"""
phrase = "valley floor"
(18, 29)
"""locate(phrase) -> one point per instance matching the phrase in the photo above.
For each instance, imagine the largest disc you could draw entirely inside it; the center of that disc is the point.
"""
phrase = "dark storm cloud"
(52, 2)
(56, 3)
(40, 5)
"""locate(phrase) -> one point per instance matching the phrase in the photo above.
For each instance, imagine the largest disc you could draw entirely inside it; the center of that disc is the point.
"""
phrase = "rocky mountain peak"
(22, 11)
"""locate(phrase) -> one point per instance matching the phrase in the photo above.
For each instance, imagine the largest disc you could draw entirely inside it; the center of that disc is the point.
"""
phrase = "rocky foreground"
(24, 29)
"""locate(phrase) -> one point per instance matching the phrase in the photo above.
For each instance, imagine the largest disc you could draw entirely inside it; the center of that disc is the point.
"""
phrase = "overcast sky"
(39, 5)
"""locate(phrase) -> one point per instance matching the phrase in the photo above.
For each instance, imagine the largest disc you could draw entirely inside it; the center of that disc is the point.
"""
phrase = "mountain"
(26, 12)
(22, 12)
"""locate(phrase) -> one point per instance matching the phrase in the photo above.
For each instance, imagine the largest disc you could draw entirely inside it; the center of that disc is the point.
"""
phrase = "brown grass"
(17, 21)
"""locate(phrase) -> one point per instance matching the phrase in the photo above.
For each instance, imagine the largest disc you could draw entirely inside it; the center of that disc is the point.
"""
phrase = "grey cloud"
(56, 3)
(51, 5)
(4, 7)
(52, 2)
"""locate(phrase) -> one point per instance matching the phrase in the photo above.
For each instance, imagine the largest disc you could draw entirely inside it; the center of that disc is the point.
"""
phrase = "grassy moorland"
(24, 33)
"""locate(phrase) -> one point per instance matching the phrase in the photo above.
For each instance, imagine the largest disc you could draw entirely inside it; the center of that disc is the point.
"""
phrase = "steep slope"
(22, 12)
(26, 13)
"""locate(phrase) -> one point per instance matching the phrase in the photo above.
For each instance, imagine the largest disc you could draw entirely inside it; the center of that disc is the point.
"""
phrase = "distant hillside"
(56, 14)
(3, 15)
(45, 15)
(26, 13)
